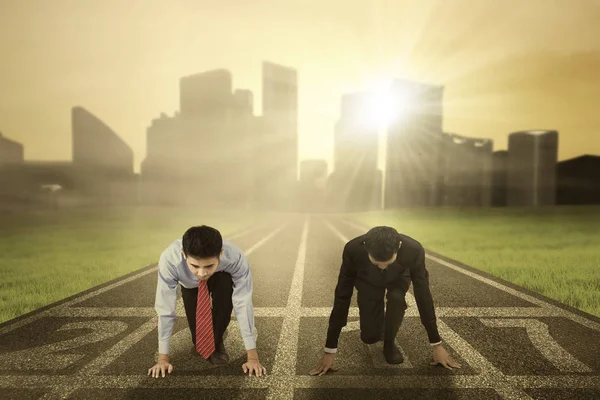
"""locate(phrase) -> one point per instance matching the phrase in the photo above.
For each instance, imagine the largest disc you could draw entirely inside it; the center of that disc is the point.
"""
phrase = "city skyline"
(490, 91)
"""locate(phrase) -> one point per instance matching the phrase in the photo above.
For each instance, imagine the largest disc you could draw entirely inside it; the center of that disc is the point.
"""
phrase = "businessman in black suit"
(378, 260)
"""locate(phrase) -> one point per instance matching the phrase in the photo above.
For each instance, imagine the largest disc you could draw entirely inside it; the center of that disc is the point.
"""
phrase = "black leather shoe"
(392, 353)
(220, 356)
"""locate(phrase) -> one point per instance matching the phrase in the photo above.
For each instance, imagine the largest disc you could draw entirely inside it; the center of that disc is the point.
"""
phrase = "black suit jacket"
(358, 270)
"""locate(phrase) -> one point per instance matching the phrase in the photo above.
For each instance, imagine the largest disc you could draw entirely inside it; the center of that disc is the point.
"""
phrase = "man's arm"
(341, 304)
(242, 303)
(164, 304)
(420, 278)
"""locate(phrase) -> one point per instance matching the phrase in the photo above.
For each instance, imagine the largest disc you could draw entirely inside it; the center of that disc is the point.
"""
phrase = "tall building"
(160, 169)
(532, 158)
(244, 101)
(161, 148)
(247, 130)
(353, 185)
(97, 146)
(207, 147)
(10, 151)
(578, 180)
(104, 159)
(207, 126)
(279, 135)
(499, 178)
(413, 145)
(11, 159)
(206, 94)
(466, 171)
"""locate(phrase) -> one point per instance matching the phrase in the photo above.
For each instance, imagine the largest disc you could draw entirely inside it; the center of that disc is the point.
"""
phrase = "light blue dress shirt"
(172, 270)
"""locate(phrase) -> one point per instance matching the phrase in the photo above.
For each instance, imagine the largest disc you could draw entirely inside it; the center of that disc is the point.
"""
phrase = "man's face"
(202, 268)
(384, 264)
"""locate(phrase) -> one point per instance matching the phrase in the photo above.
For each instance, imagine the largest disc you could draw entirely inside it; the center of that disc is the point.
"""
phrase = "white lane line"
(185, 359)
(263, 241)
(108, 357)
(334, 381)
(245, 232)
(60, 355)
(124, 344)
(478, 362)
(481, 312)
(556, 381)
(539, 334)
(376, 351)
(467, 352)
(150, 312)
(557, 311)
(48, 312)
(404, 381)
(284, 365)
(95, 366)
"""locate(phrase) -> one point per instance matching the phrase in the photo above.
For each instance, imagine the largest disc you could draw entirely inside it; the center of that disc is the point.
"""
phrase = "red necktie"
(205, 339)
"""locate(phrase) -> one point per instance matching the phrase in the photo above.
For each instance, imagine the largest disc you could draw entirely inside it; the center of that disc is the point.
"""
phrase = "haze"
(506, 66)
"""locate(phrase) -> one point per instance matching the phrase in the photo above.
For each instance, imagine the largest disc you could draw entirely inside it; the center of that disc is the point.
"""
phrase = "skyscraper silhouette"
(413, 145)
(499, 178)
(466, 171)
(532, 158)
(207, 94)
(10, 151)
(578, 180)
(97, 146)
(102, 160)
(203, 154)
(279, 142)
(353, 185)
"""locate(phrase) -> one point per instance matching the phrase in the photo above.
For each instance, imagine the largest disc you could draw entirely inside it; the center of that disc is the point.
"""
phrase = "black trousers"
(375, 322)
(220, 287)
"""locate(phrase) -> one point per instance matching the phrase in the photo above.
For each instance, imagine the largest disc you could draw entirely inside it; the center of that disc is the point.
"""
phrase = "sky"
(506, 65)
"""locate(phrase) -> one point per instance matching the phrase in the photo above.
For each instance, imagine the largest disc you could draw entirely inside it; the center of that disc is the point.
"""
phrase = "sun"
(385, 105)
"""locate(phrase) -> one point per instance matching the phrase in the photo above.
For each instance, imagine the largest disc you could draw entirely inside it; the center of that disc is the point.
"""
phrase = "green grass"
(553, 251)
(48, 256)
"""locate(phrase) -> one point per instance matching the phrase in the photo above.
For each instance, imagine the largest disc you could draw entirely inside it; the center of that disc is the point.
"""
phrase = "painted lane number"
(49, 356)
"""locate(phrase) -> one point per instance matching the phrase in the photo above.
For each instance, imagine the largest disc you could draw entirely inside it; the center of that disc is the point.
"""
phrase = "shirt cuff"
(250, 342)
(163, 346)
(435, 344)
(331, 351)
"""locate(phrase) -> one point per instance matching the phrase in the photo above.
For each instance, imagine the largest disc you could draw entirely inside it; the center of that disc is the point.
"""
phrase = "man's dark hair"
(202, 242)
(382, 242)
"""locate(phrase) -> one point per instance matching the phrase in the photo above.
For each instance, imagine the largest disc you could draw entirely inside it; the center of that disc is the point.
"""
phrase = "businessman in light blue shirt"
(202, 254)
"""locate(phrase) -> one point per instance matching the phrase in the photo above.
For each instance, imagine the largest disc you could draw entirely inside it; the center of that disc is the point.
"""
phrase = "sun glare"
(384, 105)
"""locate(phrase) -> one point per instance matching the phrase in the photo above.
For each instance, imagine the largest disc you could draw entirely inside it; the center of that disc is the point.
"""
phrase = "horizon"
(501, 72)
